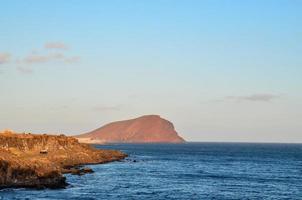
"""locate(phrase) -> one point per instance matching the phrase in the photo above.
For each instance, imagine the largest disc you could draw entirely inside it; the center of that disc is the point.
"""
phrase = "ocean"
(186, 171)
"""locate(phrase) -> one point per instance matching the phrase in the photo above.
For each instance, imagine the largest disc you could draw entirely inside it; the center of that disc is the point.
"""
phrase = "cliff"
(145, 129)
(39, 161)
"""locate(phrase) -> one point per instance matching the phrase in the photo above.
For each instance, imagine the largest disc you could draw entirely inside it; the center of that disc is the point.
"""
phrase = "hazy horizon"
(221, 71)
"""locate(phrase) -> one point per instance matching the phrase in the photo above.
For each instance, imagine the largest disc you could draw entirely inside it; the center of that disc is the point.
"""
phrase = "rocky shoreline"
(39, 161)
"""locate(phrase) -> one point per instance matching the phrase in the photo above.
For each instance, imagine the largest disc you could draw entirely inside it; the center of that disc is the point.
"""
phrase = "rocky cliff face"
(18, 172)
(145, 129)
(39, 161)
(29, 142)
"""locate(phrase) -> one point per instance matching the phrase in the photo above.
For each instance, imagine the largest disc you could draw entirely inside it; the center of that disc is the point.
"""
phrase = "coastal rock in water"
(145, 129)
(81, 171)
(39, 161)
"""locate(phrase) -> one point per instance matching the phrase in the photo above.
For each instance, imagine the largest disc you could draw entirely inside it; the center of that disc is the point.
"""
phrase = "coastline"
(39, 161)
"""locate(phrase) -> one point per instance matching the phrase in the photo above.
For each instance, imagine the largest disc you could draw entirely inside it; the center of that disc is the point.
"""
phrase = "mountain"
(145, 129)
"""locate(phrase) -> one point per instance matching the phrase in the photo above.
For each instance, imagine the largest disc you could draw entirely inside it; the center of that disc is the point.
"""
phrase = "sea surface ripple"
(186, 171)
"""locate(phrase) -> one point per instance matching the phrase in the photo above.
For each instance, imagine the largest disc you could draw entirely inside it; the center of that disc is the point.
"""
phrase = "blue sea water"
(186, 171)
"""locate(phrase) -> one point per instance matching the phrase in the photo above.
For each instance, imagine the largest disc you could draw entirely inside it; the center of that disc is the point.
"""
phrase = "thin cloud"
(255, 97)
(4, 58)
(36, 59)
(56, 45)
(56, 57)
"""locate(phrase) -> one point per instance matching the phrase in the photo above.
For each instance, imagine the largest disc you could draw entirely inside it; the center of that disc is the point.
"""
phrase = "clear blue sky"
(219, 70)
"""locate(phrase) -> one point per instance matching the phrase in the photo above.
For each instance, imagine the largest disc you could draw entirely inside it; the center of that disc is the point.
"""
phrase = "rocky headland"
(39, 161)
(145, 129)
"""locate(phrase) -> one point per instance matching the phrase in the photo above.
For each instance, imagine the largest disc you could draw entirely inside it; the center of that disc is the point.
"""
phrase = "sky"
(220, 70)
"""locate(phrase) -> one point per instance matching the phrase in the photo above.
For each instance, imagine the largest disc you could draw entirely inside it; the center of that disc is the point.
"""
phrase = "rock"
(87, 170)
(39, 161)
(80, 172)
(145, 129)
(16, 172)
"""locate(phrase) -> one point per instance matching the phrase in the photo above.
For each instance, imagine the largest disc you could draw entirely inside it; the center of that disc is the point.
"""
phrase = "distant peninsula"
(145, 129)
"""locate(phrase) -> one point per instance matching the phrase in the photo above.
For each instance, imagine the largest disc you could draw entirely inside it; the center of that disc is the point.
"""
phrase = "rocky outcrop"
(39, 161)
(145, 129)
(18, 172)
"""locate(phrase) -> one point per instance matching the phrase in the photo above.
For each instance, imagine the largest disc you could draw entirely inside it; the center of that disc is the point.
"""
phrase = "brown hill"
(145, 129)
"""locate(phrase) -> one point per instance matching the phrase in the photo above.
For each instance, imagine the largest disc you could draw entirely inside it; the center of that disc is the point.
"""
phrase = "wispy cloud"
(56, 45)
(37, 58)
(40, 57)
(53, 57)
(4, 58)
(265, 97)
